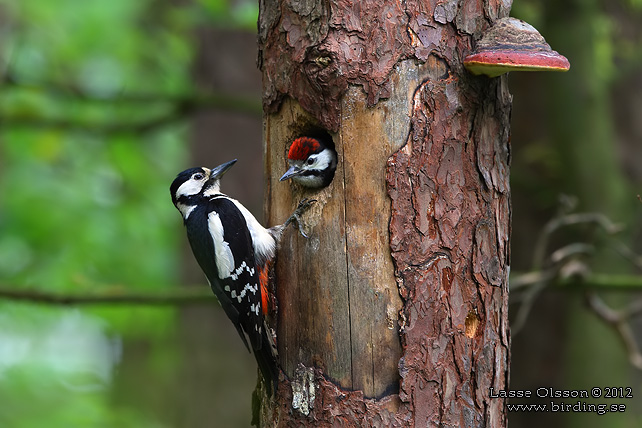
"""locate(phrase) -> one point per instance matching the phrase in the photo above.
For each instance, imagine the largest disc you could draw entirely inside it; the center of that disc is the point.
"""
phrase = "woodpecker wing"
(222, 244)
(223, 248)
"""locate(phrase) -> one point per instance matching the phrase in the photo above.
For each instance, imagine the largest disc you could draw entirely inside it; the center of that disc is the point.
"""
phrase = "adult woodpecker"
(234, 252)
(312, 162)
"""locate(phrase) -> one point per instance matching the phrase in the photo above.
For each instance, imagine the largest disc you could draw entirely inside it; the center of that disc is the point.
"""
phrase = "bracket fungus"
(513, 45)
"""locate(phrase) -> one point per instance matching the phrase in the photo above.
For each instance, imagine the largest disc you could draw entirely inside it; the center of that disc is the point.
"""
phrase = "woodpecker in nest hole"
(312, 162)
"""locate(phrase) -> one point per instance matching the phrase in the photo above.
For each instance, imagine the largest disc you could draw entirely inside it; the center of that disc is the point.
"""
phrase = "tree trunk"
(394, 311)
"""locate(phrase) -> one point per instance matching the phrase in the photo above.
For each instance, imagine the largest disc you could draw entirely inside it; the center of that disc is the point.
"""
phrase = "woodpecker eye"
(198, 176)
(310, 161)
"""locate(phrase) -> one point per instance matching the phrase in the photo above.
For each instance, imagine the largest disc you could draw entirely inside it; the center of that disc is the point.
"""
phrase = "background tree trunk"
(394, 311)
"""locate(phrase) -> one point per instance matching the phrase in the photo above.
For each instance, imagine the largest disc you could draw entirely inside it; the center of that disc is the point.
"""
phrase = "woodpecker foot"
(303, 206)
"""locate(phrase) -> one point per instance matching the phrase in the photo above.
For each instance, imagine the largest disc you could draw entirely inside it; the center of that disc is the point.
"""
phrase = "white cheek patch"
(223, 254)
(189, 188)
(323, 160)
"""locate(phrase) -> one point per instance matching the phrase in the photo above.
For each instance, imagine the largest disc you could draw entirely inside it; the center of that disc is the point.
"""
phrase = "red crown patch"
(303, 147)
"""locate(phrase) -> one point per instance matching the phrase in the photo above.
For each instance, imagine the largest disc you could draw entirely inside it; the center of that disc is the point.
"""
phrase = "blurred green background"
(103, 102)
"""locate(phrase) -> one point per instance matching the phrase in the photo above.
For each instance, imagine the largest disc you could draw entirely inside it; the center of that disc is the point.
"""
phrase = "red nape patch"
(303, 147)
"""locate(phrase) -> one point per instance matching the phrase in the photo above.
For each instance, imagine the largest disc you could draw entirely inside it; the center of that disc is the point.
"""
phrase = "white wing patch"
(264, 243)
(224, 256)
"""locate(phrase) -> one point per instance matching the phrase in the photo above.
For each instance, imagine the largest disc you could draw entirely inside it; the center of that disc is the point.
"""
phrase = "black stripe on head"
(181, 179)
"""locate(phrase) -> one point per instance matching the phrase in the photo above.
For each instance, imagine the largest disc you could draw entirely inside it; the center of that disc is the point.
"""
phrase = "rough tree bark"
(394, 311)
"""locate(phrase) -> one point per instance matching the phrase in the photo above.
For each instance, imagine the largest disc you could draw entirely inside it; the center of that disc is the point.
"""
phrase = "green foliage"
(91, 138)
(225, 13)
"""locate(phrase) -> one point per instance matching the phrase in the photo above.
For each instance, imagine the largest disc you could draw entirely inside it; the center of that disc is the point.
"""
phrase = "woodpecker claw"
(302, 232)
(303, 206)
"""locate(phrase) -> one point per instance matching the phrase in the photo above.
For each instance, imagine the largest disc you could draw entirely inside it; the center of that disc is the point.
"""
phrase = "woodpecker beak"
(292, 172)
(217, 172)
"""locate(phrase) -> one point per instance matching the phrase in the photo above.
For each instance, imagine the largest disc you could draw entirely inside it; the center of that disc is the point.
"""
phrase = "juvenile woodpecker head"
(312, 162)
(195, 183)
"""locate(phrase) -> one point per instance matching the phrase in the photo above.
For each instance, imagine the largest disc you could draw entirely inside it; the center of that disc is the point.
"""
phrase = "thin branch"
(571, 250)
(526, 279)
(557, 258)
(629, 254)
(604, 282)
(527, 304)
(104, 128)
(179, 107)
(179, 296)
(568, 220)
(619, 322)
(564, 269)
(216, 100)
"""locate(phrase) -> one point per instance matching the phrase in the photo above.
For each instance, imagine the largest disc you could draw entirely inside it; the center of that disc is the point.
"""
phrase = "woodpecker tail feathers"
(266, 358)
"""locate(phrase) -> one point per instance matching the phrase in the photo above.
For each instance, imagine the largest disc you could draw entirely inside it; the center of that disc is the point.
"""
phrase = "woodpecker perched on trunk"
(234, 251)
(312, 162)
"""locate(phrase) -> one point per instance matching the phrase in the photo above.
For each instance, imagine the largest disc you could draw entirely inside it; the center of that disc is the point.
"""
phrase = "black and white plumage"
(312, 161)
(232, 248)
